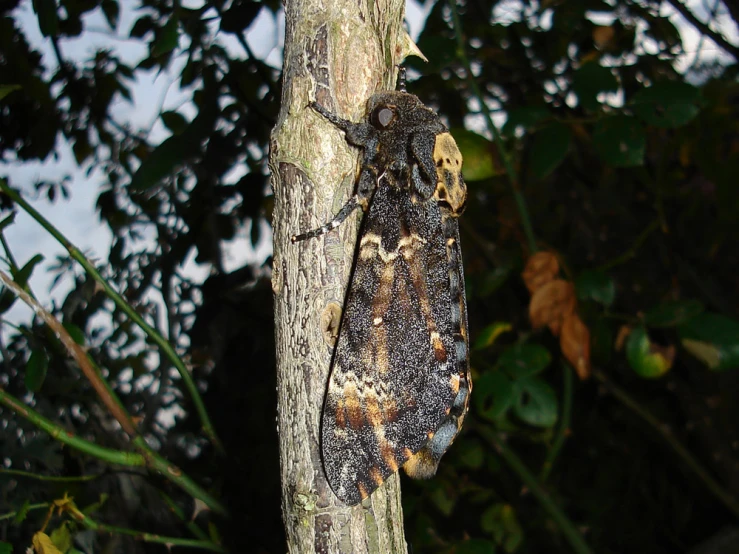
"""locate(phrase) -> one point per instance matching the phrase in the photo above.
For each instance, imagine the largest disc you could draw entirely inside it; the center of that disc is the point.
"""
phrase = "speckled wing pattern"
(399, 385)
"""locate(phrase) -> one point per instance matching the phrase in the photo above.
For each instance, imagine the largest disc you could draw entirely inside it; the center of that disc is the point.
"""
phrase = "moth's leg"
(365, 189)
(357, 134)
(423, 173)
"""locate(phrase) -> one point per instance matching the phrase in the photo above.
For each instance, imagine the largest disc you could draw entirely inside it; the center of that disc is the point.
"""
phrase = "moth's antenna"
(401, 78)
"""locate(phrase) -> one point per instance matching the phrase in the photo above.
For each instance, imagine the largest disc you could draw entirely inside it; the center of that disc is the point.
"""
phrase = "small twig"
(109, 455)
(572, 535)
(103, 390)
(155, 336)
(633, 250)
(53, 478)
(90, 523)
(564, 422)
(718, 490)
(505, 158)
(704, 28)
(144, 458)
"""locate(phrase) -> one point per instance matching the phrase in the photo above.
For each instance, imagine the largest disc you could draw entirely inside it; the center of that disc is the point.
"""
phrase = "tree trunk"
(337, 53)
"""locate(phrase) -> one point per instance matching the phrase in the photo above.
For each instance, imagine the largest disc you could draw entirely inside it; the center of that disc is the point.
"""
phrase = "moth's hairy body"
(399, 385)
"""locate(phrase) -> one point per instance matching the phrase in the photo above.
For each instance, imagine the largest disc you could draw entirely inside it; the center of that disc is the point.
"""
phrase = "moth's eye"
(382, 117)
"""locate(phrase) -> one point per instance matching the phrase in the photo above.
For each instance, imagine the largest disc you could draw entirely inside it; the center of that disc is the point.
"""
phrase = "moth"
(400, 383)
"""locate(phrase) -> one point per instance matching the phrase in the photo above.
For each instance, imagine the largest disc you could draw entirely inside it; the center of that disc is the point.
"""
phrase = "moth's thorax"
(450, 187)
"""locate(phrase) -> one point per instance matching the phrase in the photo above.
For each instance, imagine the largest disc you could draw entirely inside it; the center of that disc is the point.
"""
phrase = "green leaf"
(501, 522)
(595, 285)
(475, 546)
(527, 118)
(443, 501)
(75, 332)
(670, 314)
(667, 105)
(168, 38)
(524, 360)
(174, 121)
(61, 537)
(590, 80)
(537, 402)
(38, 363)
(713, 339)
(7, 89)
(551, 144)
(490, 333)
(7, 221)
(111, 10)
(23, 274)
(159, 164)
(22, 512)
(48, 19)
(470, 453)
(239, 16)
(6, 548)
(642, 357)
(477, 153)
(494, 395)
(620, 141)
(95, 506)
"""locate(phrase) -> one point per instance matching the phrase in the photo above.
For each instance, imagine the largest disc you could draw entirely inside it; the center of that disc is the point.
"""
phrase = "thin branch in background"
(704, 28)
(717, 489)
(505, 157)
(103, 390)
(153, 334)
(563, 430)
(569, 530)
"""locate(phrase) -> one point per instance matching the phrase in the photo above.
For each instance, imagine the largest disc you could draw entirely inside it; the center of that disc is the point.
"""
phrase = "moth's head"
(450, 187)
(392, 110)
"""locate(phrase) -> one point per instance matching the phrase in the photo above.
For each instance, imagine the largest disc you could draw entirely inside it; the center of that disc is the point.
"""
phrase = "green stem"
(176, 510)
(718, 490)
(53, 478)
(505, 158)
(145, 458)
(89, 368)
(130, 459)
(173, 473)
(570, 532)
(29, 508)
(155, 336)
(634, 249)
(564, 422)
(139, 535)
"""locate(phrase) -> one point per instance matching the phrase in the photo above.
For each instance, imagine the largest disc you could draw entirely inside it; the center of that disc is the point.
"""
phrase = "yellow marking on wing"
(372, 408)
(352, 405)
(362, 491)
(380, 306)
(388, 455)
(376, 476)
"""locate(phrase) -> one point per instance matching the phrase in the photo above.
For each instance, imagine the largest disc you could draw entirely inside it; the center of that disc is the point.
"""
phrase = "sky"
(77, 217)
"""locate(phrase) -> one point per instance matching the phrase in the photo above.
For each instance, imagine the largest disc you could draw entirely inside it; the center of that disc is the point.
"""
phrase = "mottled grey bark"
(337, 53)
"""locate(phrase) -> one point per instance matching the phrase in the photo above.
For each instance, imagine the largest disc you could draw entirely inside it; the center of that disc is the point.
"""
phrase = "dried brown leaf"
(540, 269)
(551, 303)
(575, 344)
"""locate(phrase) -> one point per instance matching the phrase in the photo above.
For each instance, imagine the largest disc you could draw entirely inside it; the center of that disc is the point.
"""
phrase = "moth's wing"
(395, 375)
(425, 462)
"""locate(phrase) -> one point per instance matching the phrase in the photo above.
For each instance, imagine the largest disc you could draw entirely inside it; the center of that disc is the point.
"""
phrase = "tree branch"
(704, 28)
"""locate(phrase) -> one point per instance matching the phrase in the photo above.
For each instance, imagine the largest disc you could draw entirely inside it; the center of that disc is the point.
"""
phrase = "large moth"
(400, 384)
